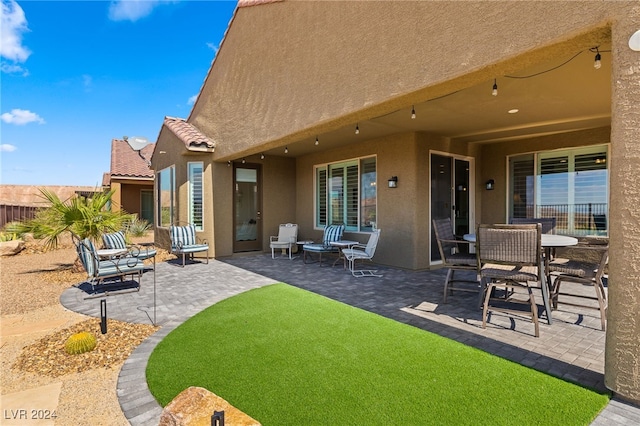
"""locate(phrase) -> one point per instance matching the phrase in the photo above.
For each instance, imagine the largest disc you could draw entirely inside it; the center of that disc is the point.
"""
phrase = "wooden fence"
(9, 213)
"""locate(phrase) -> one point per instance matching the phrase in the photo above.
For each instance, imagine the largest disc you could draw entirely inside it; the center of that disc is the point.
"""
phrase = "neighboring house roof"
(127, 163)
(30, 195)
(192, 138)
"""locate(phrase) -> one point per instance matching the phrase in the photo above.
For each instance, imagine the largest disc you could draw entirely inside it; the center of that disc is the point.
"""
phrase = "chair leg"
(534, 312)
(486, 305)
(600, 294)
(446, 285)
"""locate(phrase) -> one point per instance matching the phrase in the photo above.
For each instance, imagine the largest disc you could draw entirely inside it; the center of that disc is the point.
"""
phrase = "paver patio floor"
(572, 347)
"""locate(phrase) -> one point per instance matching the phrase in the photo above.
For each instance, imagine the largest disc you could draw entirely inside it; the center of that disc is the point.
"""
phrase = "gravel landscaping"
(35, 327)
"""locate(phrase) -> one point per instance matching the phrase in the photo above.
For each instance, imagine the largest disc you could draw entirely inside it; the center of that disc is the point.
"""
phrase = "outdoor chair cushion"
(331, 233)
(114, 240)
(183, 236)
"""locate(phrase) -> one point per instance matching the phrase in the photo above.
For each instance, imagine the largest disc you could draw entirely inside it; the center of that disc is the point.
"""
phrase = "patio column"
(622, 353)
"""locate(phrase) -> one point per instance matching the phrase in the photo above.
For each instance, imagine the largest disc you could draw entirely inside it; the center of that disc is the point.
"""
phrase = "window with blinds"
(571, 185)
(195, 195)
(341, 196)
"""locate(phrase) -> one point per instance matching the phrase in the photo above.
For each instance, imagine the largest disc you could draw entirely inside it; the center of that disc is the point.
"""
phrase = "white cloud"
(13, 69)
(21, 117)
(132, 10)
(13, 24)
(5, 147)
(213, 47)
(192, 100)
(87, 82)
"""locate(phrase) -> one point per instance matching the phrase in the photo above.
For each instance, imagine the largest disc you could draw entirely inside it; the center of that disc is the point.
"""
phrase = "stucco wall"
(289, 70)
(402, 212)
(131, 200)
(622, 356)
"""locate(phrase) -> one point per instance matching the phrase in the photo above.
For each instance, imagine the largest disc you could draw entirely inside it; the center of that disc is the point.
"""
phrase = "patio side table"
(342, 244)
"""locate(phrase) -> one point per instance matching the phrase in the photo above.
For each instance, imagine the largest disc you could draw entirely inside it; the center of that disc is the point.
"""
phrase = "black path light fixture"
(103, 316)
(217, 419)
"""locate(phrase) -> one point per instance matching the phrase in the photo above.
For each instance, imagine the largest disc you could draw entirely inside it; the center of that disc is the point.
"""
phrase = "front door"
(247, 206)
(451, 195)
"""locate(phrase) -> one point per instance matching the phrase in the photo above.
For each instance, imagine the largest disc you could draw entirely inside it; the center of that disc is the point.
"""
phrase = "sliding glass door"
(451, 195)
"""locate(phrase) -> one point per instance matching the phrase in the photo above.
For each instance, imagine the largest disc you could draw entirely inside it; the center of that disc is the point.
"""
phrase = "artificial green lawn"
(286, 356)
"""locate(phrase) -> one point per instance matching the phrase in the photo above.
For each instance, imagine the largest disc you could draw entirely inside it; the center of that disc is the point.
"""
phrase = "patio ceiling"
(563, 95)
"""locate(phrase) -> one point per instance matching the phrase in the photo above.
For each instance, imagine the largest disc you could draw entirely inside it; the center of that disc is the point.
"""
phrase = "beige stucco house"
(481, 111)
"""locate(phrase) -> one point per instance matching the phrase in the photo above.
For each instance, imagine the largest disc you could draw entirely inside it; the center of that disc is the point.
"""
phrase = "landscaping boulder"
(11, 248)
(194, 406)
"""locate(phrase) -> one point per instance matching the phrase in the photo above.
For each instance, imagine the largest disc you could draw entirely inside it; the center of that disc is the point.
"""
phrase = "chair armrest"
(457, 241)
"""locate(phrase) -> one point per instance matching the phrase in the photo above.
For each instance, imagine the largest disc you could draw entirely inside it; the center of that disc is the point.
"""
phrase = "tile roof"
(188, 133)
(127, 163)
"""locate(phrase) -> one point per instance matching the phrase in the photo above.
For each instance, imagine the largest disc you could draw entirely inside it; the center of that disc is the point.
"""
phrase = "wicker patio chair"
(548, 223)
(455, 259)
(584, 264)
(510, 256)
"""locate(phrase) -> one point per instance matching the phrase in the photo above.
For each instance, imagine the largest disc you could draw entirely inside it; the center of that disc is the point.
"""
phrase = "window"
(346, 193)
(166, 197)
(195, 194)
(570, 185)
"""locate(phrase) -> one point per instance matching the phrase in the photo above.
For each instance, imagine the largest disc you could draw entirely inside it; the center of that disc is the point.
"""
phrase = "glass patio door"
(247, 206)
(451, 195)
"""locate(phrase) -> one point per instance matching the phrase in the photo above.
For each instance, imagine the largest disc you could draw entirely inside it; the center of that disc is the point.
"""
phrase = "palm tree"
(84, 217)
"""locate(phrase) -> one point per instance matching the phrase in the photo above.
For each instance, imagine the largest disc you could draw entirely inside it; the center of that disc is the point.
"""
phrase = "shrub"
(138, 227)
(11, 231)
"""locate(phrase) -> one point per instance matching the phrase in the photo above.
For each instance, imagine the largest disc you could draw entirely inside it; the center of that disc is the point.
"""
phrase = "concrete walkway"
(571, 348)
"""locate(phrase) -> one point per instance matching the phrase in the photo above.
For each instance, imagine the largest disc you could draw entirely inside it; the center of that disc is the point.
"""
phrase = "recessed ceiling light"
(513, 111)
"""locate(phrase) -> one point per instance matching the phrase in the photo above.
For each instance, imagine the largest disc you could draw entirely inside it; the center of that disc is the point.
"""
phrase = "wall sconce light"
(490, 184)
(393, 182)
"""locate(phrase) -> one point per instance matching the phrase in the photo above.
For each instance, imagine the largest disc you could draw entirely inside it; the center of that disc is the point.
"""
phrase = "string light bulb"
(262, 156)
(597, 64)
(413, 112)
(317, 141)
(243, 161)
(494, 92)
(357, 129)
(286, 150)
(228, 163)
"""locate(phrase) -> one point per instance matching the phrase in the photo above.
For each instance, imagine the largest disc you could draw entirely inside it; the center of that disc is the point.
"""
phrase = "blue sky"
(76, 74)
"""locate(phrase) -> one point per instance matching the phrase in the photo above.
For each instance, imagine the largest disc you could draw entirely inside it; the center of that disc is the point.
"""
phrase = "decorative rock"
(11, 248)
(194, 406)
